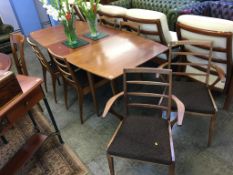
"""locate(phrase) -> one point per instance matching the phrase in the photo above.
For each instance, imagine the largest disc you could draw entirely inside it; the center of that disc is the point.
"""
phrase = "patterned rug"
(51, 159)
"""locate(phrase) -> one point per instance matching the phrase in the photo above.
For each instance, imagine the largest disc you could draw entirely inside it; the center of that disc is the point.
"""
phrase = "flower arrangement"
(61, 10)
(89, 10)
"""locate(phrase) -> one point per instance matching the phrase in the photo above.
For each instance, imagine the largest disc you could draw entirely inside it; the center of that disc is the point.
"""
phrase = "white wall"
(7, 14)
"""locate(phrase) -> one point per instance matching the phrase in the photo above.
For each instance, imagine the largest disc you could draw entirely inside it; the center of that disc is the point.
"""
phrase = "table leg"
(113, 87)
(33, 121)
(92, 87)
(53, 120)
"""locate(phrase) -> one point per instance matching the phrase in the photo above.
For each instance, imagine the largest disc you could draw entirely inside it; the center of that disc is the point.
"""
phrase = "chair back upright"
(65, 69)
(148, 89)
(219, 31)
(135, 24)
(196, 62)
(44, 63)
(17, 47)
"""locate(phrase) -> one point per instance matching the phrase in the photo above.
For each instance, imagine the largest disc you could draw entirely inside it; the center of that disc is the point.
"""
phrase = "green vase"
(70, 32)
(92, 24)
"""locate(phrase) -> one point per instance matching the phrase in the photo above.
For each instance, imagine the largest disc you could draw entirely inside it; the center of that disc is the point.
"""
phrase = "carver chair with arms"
(220, 31)
(47, 66)
(195, 94)
(145, 137)
(77, 79)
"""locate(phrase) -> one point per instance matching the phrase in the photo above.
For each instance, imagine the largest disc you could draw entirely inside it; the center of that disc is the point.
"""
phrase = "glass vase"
(92, 24)
(70, 32)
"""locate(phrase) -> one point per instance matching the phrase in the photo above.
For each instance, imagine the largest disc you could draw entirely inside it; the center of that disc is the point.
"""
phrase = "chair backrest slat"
(134, 24)
(222, 47)
(17, 47)
(204, 67)
(148, 93)
(65, 68)
(40, 56)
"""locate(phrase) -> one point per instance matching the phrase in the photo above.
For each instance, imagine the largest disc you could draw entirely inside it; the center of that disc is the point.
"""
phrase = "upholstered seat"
(194, 95)
(143, 138)
(111, 14)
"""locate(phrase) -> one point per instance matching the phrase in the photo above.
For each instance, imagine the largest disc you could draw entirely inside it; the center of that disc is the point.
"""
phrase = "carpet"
(52, 158)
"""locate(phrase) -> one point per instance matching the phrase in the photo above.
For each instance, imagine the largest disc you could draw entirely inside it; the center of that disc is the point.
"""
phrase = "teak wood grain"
(106, 57)
(5, 63)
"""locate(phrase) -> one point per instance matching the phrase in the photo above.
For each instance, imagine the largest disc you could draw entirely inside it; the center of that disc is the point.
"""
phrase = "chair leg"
(113, 87)
(92, 87)
(45, 79)
(80, 102)
(58, 81)
(211, 129)
(110, 164)
(54, 88)
(172, 169)
(40, 107)
(65, 94)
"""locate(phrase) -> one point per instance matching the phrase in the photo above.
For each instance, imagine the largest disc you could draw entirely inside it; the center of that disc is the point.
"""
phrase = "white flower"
(64, 6)
(71, 1)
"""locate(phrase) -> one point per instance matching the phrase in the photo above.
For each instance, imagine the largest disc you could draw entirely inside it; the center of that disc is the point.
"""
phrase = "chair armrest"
(6, 29)
(180, 111)
(110, 102)
(162, 66)
(221, 73)
(123, 3)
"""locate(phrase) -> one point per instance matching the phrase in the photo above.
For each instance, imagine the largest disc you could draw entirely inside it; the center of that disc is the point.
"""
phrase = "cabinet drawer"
(20, 109)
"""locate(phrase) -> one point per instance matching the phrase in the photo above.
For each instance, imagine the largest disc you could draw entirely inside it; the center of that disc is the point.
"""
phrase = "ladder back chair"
(149, 24)
(17, 47)
(222, 36)
(111, 15)
(141, 137)
(195, 95)
(47, 66)
(77, 79)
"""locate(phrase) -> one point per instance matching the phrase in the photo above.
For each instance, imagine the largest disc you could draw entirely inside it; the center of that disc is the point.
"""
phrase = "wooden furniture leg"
(93, 92)
(111, 164)
(53, 120)
(172, 169)
(33, 121)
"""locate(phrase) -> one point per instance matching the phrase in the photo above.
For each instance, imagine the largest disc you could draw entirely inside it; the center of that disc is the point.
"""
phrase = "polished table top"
(106, 57)
(5, 62)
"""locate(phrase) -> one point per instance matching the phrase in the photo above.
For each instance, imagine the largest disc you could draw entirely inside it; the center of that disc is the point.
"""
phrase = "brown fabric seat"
(137, 139)
(194, 95)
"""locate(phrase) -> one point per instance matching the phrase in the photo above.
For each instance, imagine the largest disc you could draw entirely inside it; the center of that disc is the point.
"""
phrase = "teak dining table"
(106, 57)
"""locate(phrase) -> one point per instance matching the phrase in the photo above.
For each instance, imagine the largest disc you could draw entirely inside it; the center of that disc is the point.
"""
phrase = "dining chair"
(149, 24)
(111, 15)
(77, 79)
(78, 13)
(195, 94)
(145, 137)
(220, 31)
(47, 66)
(17, 47)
